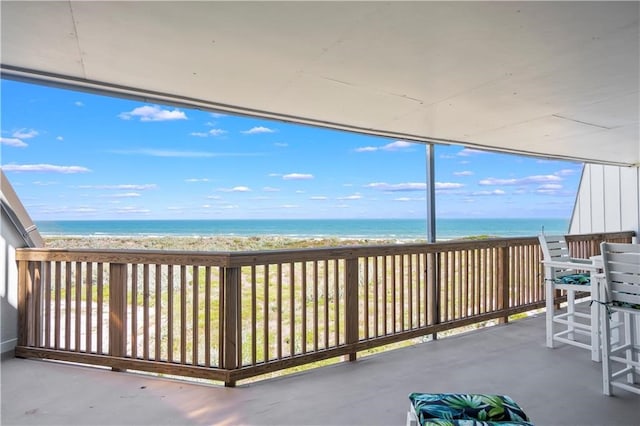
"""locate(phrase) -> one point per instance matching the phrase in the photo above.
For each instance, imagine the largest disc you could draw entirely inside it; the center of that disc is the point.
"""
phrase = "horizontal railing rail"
(230, 316)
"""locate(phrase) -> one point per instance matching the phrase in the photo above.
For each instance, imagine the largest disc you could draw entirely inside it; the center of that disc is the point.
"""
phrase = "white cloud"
(448, 185)
(270, 189)
(521, 181)
(15, 142)
(403, 199)
(550, 186)
(494, 192)
(168, 153)
(59, 138)
(351, 197)
(153, 113)
(182, 154)
(470, 151)
(289, 206)
(235, 189)
(565, 172)
(129, 210)
(257, 130)
(297, 176)
(281, 144)
(49, 168)
(217, 132)
(412, 186)
(318, 198)
(198, 134)
(126, 195)
(367, 149)
(463, 173)
(124, 187)
(393, 146)
(78, 104)
(409, 186)
(25, 133)
(217, 115)
(196, 180)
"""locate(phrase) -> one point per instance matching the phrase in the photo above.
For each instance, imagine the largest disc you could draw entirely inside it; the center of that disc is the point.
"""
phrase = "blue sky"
(73, 155)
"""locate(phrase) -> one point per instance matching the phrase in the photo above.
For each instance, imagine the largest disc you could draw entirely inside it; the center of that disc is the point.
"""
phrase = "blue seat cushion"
(475, 409)
(577, 279)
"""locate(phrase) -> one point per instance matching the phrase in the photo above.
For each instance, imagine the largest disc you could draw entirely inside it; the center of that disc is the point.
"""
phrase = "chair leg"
(571, 310)
(606, 350)
(595, 331)
(629, 335)
(550, 305)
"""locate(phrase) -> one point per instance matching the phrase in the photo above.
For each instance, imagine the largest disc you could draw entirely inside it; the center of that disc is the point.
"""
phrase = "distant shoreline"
(337, 231)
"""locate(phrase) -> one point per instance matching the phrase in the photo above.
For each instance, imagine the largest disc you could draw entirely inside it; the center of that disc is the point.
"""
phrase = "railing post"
(503, 281)
(232, 280)
(35, 317)
(351, 302)
(24, 280)
(117, 310)
(433, 290)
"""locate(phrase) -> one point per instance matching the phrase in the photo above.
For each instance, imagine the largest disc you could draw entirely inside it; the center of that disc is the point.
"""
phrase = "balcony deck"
(555, 387)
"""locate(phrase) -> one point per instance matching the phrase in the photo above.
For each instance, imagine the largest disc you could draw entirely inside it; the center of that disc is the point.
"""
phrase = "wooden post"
(351, 304)
(117, 310)
(503, 281)
(432, 273)
(232, 281)
(23, 297)
(36, 306)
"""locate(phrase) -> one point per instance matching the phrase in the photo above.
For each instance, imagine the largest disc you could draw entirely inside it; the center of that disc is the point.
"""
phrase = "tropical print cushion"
(625, 304)
(442, 422)
(477, 409)
(578, 279)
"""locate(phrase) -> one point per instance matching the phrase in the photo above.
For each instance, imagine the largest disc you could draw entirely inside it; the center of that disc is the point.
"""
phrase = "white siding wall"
(9, 240)
(608, 200)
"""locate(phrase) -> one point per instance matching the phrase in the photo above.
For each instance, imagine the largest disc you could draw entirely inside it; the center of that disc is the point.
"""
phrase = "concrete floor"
(559, 386)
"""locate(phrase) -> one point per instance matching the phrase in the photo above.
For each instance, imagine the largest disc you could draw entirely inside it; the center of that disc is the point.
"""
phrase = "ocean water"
(400, 229)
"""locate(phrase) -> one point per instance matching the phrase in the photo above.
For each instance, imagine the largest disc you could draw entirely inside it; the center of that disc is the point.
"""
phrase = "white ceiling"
(555, 79)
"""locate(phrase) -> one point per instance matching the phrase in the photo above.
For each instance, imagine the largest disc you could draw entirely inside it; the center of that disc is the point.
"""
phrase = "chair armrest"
(588, 266)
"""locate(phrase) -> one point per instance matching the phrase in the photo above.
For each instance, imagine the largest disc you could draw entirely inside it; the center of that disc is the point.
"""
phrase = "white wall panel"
(582, 214)
(9, 240)
(630, 204)
(612, 210)
(608, 200)
(597, 199)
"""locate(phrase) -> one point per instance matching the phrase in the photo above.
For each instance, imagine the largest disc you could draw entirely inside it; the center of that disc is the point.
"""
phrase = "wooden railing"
(236, 315)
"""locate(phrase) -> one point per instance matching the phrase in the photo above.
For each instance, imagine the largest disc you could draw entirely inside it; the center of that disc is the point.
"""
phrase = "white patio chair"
(572, 275)
(619, 291)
